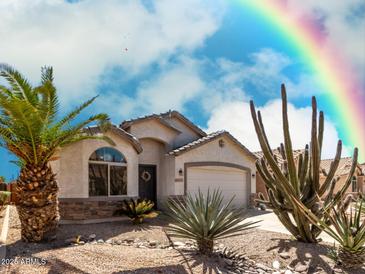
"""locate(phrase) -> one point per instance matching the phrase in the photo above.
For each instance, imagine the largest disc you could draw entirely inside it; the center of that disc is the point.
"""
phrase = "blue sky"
(206, 59)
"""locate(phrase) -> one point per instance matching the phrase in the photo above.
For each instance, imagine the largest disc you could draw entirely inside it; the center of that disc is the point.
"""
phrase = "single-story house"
(154, 157)
(357, 184)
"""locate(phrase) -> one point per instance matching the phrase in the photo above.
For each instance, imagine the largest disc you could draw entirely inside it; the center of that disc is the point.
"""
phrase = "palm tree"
(30, 129)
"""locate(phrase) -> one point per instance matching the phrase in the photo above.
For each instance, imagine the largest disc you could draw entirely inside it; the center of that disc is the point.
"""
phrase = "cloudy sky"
(206, 59)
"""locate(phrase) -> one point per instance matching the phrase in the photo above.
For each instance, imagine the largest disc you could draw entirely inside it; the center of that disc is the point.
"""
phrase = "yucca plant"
(361, 206)
(137, 210)
(31, 129)
(205, 219)
(348, 229)
(289, 178)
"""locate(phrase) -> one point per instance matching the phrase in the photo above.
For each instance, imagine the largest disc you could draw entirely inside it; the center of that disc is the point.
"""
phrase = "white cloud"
(175, 85)
(81, 39)
(343, 23)
(236, 118)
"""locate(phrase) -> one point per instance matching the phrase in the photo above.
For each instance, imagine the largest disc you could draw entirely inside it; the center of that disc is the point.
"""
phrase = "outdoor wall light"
(181, 172)
(221, 143)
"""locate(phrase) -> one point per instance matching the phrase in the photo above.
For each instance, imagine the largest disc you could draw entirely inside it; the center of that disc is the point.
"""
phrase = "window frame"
(125, 164)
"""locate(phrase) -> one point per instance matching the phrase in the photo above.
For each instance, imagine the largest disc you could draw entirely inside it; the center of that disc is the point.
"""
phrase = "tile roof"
(163, 118)
(296, 152)
(126, 124)
(343, 167)
(95, 130)
(206, 139)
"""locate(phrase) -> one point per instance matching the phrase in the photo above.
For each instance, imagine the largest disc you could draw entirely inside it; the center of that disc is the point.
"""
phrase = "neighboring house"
(357, 184)
(155, 157)
(343, 170)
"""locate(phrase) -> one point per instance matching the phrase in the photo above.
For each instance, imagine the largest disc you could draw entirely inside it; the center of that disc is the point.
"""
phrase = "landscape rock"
(301, 268)
(153, 243)
(228, 262)
(276, 264)
(109, 241)
(100, 241)
(178, 244)
(129, 240)
(263, 267)
(284, 255)
(92, 237)
(70, 240)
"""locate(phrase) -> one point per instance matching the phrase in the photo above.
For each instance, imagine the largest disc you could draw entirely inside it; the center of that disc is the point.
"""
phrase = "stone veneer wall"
(87, 208)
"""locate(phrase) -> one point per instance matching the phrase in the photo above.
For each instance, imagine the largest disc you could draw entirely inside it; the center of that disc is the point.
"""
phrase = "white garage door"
(231, 181)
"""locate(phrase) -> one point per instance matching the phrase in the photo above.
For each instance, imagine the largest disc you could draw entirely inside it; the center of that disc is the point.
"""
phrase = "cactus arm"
(315, 147)
(286, 221)
(267, 180)
(288, 143)
(320, 131)
(304, 168)
(332, 171)
(261, 124)
(299, 168)
(266, 150)
(340, 194)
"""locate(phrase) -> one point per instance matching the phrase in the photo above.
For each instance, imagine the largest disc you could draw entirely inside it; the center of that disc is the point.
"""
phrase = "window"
(354, 184)
(107, 173)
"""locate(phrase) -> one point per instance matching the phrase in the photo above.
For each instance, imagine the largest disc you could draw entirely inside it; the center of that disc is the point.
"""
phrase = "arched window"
(107, 173)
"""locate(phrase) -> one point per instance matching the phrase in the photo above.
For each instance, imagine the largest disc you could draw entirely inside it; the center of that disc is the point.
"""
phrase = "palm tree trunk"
(38, 203)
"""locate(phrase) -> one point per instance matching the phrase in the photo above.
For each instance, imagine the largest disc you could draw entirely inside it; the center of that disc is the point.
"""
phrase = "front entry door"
(147, 182)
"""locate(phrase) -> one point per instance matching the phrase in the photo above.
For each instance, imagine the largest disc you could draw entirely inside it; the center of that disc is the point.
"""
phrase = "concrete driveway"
(270, 222)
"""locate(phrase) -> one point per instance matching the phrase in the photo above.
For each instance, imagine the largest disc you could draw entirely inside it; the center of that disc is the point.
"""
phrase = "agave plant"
(347, 229)
(137, 210)
(31, 128)
(205, 219)
(290, 179)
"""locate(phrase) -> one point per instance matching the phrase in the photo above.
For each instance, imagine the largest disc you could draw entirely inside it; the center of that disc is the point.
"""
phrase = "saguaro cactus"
(298, 178)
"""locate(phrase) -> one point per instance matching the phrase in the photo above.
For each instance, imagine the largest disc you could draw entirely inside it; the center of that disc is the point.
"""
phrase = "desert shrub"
(205, 219)
(137, 210)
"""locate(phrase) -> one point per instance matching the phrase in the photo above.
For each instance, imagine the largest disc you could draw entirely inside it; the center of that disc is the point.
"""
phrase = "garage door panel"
(230, 181)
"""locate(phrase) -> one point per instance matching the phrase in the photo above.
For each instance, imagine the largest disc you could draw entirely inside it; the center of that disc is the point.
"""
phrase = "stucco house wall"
(154, 130)
(187, 135)
(230, 153)
(73, 168)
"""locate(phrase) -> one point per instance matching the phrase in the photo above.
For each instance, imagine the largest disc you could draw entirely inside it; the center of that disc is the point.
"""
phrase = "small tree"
(31, 130)
(298, 179)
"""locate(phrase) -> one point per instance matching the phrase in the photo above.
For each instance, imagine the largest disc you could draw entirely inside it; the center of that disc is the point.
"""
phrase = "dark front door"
(147, 182)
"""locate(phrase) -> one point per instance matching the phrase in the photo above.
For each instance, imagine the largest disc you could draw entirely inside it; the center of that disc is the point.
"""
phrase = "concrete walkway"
(270, 222)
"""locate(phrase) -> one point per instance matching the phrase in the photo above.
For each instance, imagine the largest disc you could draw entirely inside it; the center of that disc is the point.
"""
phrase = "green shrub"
(205, 219)
(137, 210)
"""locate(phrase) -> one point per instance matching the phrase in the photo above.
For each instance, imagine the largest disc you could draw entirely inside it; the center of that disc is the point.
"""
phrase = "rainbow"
(334, 75)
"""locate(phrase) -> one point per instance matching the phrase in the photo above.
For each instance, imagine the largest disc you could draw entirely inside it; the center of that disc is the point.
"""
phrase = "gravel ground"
(2, 212)
(261, 246)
